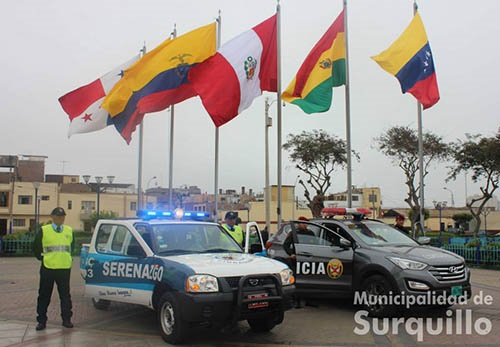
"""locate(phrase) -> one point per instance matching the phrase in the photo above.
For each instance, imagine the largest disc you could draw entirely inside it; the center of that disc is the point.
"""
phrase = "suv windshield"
(191, 238)
(380, 234)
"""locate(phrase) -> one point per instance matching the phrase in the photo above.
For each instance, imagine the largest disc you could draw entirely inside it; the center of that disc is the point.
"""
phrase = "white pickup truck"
(190, 271)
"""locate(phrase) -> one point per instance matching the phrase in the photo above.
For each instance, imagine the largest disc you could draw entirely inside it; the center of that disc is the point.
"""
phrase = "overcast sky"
(52, 47)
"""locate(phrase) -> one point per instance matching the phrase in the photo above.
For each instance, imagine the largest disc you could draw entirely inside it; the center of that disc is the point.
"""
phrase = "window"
(88, 205)
(24, 199)
(116, 240)
(102, 239)
(119, 239)
(45, 197)
(70, 204)
(18, 222)
(133, 206)
(4, 199)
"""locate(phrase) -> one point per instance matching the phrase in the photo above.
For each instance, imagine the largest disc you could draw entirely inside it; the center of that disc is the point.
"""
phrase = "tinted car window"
(380, 234)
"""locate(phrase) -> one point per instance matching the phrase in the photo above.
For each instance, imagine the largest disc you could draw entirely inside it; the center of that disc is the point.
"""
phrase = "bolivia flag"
(409, 59)
(323, 69)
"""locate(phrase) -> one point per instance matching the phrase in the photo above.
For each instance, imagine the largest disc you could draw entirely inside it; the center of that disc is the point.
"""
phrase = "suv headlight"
(407, 264)
(202, 284)
(287, 277)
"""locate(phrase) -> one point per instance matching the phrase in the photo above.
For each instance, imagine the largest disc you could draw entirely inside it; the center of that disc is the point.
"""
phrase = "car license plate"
(258, 304)
(456, 290)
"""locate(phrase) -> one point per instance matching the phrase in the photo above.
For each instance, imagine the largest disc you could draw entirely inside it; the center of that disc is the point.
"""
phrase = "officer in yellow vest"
(230, 225)
(53, 245)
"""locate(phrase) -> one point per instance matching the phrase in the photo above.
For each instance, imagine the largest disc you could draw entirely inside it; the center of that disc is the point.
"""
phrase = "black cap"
(231, 215)
(58, 211)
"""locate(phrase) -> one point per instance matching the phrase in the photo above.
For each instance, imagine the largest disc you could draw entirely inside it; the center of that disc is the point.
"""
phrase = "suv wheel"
(172, 327)
(379, 287)
(100, 304)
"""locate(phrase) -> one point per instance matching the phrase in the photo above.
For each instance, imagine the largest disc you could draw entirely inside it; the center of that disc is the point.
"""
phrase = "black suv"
(359, 257)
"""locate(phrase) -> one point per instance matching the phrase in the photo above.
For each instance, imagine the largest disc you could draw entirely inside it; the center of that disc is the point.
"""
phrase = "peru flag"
(83, 105)
(241, 69)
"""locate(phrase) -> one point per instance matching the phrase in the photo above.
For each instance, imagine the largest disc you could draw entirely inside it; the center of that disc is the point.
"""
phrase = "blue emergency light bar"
(177, 214)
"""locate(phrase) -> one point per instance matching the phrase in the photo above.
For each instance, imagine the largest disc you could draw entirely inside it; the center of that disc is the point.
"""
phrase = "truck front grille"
(448, 273)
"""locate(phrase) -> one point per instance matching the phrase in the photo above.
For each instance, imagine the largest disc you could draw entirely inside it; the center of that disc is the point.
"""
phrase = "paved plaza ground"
(324, 323)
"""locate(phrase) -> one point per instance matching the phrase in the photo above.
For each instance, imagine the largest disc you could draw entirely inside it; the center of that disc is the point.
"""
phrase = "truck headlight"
(202, 284)
(407, 264)
(287, 277)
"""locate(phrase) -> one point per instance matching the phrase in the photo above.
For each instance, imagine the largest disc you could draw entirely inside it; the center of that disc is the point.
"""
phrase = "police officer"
(53, 245)
(400, 220)
(230, 225)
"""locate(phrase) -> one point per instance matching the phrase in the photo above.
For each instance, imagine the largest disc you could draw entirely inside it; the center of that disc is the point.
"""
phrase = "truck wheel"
(379, 287)
(172, 327)
(100, 304)
(265, 324)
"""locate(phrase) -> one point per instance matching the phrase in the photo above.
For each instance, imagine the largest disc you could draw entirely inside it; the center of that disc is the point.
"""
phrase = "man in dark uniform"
(52, 246)
(302, 229)
(400, 221)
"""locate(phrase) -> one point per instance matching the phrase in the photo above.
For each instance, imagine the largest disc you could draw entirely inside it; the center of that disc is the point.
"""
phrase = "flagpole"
(278, 105)
(420, 151)
(216, 174)
(139, 161)
(347, 112)
(173, 34)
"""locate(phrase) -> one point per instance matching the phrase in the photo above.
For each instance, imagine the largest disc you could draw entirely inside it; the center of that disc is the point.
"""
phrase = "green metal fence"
(23, 247)
(16, 247)
(482, 255)
(485, 254)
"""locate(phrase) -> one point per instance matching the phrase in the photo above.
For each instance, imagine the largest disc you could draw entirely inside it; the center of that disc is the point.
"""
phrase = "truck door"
(117, 267)
(322, 263)
(254, 242)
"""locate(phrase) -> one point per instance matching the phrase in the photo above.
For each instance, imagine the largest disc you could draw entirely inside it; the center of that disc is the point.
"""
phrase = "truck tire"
(100, 304)
(265, 324)
(379, 286)
(172, 327)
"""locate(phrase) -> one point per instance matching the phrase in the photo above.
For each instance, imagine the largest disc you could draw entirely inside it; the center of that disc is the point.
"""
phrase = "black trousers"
(47, 278)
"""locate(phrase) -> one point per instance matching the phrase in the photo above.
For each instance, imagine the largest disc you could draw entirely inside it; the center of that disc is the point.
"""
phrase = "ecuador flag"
(409, 59)
(323, 69)
(158, 79)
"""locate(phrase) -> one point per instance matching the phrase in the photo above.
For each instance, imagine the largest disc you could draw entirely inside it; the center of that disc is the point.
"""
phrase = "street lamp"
(439, 205)
(452, 198)
(36, 185)
(98, 180)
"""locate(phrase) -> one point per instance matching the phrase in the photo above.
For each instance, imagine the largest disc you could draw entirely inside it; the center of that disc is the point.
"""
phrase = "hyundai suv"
(362, 258)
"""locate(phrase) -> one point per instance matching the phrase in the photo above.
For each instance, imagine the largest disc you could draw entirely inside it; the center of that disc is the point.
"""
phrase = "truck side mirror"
(136, 250)
(345, 243)
(424, 240)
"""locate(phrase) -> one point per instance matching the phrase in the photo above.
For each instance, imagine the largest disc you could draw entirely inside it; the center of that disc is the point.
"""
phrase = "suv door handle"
(93, 261)
(307, 254)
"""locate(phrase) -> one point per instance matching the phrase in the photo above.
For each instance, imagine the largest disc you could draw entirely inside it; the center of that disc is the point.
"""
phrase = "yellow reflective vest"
(237, 233)
(57, 247)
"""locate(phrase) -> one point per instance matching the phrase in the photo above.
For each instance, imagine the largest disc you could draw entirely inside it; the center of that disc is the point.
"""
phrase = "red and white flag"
(229, 81)
(83, 105)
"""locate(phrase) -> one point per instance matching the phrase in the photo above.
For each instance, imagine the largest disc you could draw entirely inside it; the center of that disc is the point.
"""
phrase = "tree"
(102, 215)
(400, 143)
(462, 220)
(317, 154)
(481, 155)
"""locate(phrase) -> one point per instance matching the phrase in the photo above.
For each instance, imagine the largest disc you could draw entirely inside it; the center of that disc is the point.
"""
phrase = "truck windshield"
(191, 238)
(380, 234)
